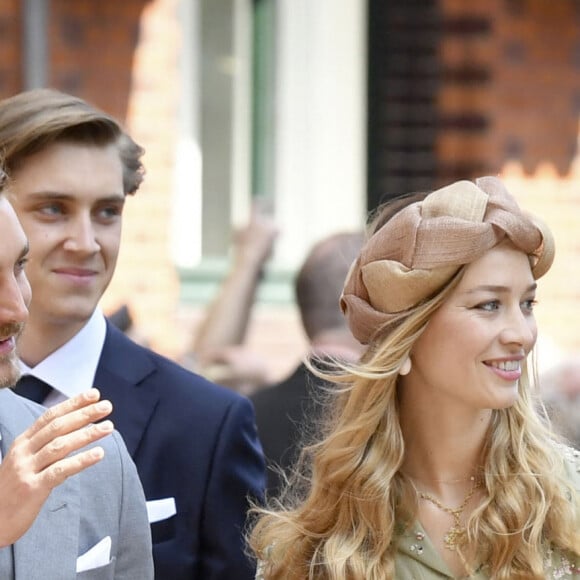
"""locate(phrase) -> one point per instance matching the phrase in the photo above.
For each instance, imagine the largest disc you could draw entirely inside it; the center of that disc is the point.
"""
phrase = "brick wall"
(535, 140)
(521, 65)
(510, 102)
(10, 51)
(92, 50)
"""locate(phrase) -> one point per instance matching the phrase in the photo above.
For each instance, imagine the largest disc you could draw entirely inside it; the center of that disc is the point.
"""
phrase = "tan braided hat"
(423, 245)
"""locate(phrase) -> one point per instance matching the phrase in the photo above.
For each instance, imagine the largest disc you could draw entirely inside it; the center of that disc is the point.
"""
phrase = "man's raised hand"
(45, 455)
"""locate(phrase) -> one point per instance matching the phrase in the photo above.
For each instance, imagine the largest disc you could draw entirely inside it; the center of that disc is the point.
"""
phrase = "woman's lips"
(509, 370)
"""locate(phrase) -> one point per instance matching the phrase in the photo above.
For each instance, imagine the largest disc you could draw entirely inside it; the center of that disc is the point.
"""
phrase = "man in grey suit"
(68, 508)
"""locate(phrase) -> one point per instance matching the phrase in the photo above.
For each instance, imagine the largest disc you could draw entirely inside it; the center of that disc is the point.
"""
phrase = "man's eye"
(51, 209)
(110, 211)
(21, 264)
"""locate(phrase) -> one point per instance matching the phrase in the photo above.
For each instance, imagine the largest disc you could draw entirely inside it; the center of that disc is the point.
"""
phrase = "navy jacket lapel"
(122, 367)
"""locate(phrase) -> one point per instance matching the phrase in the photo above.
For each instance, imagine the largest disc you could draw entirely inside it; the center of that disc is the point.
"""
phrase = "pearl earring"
(405, 367)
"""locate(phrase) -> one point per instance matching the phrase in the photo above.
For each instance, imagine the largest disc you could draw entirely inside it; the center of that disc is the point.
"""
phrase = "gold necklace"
(448, 481)
(455, 536)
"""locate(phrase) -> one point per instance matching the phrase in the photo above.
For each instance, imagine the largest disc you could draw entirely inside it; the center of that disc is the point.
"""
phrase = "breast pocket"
(162, 517)
(106, 572)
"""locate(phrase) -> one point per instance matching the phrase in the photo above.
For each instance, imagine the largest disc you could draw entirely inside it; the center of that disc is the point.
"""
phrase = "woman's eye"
(529, 304)
(490, 306)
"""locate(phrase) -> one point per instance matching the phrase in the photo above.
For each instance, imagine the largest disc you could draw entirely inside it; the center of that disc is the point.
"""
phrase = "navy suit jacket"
(193, 441)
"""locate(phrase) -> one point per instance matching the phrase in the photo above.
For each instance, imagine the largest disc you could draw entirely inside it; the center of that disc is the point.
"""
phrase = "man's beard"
(10, 371)
(9, 363)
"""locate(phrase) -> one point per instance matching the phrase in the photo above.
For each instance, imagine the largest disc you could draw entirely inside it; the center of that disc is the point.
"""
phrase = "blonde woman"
(434, 462)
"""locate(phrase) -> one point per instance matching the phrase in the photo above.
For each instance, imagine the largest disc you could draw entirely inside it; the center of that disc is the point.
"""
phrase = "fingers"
(56, 473)
(66, 417)
(78, 402)
(65, 429)
(54, 448)
(50, 455)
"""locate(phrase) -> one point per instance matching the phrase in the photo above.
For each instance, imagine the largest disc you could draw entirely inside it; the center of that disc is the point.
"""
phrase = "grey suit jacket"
(104, 500)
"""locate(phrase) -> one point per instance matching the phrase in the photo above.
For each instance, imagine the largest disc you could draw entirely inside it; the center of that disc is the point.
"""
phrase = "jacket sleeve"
(134, 554)
(237, 476)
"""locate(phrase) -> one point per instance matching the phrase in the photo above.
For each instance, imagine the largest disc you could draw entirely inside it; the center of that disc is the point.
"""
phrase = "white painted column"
(320, 168)
(185, 229)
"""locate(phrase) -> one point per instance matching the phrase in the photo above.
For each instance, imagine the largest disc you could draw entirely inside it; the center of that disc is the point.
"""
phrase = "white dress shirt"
(71, 369)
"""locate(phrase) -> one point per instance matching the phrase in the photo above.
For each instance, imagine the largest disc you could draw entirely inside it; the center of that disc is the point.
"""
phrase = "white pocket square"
(99, 555)
(160, 509)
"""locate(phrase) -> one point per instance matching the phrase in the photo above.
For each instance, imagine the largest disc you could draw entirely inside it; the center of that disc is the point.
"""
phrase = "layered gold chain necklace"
(455, 536)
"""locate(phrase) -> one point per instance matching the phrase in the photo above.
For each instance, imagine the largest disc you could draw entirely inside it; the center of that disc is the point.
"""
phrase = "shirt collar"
(71, 368)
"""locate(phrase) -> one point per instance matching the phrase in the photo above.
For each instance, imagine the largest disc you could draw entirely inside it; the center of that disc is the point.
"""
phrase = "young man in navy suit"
(68, 509)
(194, 443)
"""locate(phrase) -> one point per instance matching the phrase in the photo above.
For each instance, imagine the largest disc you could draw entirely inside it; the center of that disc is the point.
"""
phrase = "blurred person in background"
(287, 413)
(218, 348)
(561, 395)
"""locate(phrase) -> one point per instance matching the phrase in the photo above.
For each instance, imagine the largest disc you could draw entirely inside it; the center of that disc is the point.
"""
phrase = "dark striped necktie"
(32, 388)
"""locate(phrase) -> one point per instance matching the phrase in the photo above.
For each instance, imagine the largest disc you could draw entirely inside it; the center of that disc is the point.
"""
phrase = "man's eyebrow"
(49, 194)
(58, 196)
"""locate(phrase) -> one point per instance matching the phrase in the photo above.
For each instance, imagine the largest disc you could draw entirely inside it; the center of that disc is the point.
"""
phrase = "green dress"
(417, 559)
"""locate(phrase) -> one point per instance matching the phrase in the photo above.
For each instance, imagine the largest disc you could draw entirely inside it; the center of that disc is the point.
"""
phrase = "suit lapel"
(50, 547)
(122, 367)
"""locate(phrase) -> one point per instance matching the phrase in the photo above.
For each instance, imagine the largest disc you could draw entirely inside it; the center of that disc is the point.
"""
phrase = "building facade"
(316, 111)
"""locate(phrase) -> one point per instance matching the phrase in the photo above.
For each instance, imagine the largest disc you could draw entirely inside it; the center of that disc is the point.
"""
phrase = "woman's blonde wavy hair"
(345, 506)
